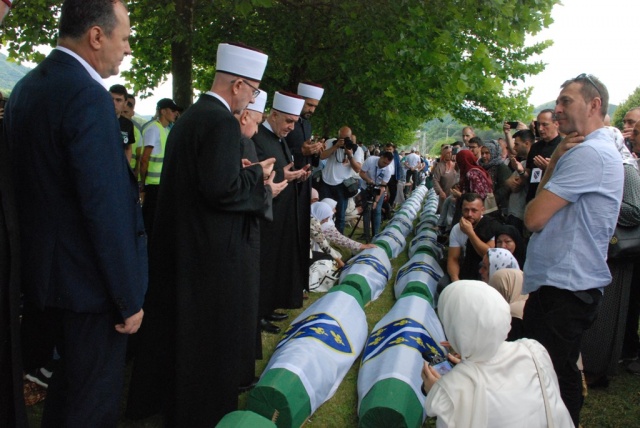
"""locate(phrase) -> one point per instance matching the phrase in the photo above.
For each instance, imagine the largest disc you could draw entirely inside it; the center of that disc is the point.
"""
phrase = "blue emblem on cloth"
(404, 332)
(390, 235)
(369, 260)
(322, 327)
(420, 267)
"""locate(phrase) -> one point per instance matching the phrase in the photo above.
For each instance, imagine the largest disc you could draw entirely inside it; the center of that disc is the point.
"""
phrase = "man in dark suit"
(83, 262)
(200, 308)
(12, 410)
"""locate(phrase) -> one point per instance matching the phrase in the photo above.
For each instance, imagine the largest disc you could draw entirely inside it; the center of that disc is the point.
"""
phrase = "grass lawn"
(616, 406)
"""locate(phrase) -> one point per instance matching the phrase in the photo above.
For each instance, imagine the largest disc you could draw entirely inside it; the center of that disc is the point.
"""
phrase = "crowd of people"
(527, 202)
(175, 244)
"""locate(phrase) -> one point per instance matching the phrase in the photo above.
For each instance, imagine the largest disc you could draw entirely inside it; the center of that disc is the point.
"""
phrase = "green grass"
(616, 406)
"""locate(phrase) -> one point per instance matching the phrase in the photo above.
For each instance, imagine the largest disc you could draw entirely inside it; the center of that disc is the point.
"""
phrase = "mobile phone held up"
(512, 125)
(436, 361)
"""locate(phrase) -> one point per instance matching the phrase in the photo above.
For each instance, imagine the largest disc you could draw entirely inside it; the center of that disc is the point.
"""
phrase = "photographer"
(344, 157)
(375, 174)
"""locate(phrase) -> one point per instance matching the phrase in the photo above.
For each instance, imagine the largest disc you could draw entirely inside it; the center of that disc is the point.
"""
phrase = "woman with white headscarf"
(320, 248)
(323, 212)
(497, 383)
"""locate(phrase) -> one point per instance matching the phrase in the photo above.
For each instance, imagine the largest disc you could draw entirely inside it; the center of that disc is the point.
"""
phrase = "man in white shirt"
(413, 165)
(375, 174)
(343, 158)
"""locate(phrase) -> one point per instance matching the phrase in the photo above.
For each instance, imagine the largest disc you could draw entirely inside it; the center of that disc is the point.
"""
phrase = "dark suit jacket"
(83, 246)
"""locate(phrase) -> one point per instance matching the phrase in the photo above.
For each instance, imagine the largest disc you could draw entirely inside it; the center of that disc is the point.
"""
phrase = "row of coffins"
(322, 343)
(389, 382)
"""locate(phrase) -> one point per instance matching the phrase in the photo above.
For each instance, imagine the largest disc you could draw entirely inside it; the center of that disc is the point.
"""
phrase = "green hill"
(10, 73)
(552, 105)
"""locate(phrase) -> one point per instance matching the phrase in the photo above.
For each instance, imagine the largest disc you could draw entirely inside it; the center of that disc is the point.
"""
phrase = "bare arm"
(144, 162)
(479, 246)
(453, 263)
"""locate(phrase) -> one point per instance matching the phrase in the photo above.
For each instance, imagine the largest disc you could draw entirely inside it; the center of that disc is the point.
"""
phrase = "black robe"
(12, 411)
(249, 355)
(301, 133)
(201, 307)
(281, 274)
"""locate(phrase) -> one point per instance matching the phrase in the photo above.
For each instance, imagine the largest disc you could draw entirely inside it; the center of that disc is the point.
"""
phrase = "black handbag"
(351, 186)
(624, 243)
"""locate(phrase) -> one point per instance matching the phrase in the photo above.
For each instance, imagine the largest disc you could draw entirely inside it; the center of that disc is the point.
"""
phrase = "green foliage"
(624, 107)
(386, 66)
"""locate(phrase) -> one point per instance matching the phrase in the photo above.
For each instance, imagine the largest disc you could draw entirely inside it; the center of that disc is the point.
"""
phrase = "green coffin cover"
(280, 397)
(418, 288)
(385, 246)
(359, 283)
(244, 419)
(350, 290)
(391, 403)
(423, 249)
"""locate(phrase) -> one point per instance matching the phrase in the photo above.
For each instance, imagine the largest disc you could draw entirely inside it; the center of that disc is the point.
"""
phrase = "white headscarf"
(321, 210)
(476, 321)
(500, 258)
(331, 202)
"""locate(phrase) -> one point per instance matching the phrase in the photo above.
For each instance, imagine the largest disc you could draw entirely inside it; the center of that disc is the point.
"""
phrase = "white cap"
(241, 61)
(310, 90)
(288, 104)
(260, 103)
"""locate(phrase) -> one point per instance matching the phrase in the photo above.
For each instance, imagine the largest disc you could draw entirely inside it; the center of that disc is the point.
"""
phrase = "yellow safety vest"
(138, 136)
(155, 161)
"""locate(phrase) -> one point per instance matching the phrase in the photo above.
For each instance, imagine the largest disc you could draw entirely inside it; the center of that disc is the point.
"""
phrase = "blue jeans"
(377, 216)
(336, 193)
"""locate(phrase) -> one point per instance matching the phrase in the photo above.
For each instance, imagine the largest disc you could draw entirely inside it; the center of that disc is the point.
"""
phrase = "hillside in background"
(10, 73)
(552, 105)
(447, 130)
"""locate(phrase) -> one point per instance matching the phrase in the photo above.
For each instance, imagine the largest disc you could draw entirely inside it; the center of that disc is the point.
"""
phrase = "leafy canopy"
(387, 67)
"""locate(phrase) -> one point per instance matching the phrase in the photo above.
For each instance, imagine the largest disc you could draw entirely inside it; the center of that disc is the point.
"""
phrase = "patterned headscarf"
(496, 154)
(499, 258)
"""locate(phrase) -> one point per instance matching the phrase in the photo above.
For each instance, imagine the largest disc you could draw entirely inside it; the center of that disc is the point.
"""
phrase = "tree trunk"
(182, 54)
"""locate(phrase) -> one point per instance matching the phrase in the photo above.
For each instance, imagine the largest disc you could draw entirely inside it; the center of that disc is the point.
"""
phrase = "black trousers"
(557, 319)
(392, 188)
(149, 207)
(86, 387)
(631, 344)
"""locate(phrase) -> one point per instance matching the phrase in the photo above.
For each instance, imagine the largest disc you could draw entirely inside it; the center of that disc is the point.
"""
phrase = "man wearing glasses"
(572, 218)
(540, 153)
(198, 306)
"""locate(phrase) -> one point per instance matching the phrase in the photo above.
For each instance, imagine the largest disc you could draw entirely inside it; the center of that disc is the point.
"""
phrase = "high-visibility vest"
(155, 161)
(138, 136)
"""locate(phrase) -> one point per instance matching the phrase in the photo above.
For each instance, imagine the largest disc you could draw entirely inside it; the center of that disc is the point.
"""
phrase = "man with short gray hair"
(84, 265)
(566, 270)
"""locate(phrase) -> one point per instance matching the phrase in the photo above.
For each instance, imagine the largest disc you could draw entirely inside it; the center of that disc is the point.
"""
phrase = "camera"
(350, 145)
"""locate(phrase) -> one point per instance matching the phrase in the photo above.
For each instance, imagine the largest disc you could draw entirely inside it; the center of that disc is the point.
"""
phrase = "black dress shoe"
(248, 387)
(276, 316)
(267, 327)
